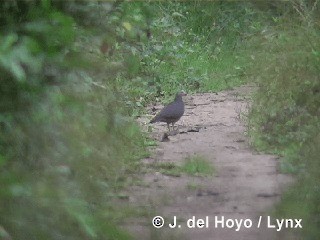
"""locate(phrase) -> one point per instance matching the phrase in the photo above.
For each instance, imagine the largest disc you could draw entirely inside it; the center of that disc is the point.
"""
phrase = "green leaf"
(78, 209)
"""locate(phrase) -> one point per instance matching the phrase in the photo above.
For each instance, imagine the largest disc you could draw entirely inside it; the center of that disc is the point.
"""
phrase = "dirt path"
(245, 185)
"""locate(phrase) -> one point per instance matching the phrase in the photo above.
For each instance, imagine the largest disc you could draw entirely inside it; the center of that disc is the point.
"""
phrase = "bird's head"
(180, 95)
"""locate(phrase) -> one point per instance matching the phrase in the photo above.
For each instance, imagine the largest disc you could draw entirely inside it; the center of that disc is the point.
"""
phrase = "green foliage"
(284, 118)
(197, 166)
(167, 168)
(194, 46)
(194, 166)
(286, 105)
(302, 199)
(66, 140)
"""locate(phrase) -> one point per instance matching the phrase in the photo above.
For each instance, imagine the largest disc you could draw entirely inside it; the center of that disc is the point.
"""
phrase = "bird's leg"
(168, 124)
(172, 126)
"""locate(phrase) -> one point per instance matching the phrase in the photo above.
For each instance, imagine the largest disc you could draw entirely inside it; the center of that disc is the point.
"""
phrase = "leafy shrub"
(66, 142)
(285, 114)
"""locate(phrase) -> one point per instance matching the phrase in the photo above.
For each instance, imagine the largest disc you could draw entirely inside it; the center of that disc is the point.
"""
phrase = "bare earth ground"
(245, 185)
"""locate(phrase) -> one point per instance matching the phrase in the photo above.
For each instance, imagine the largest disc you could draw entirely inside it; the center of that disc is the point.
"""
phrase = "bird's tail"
(155, 119)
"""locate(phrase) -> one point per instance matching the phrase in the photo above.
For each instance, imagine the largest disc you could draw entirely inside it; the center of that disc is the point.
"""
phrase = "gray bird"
(172, 112)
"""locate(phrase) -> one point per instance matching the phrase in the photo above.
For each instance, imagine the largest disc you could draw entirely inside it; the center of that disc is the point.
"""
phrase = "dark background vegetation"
(74, 74)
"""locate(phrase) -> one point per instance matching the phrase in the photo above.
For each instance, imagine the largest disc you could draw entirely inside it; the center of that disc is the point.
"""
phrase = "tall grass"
(285, 115)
